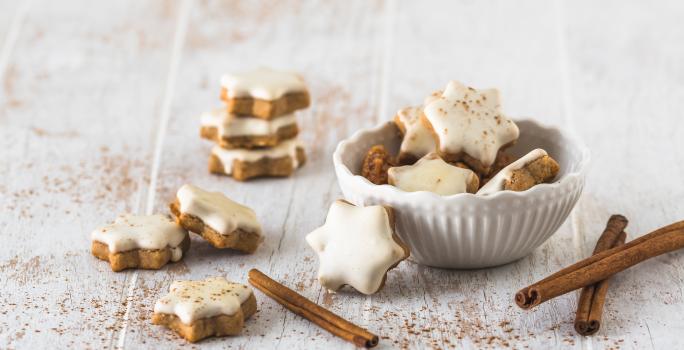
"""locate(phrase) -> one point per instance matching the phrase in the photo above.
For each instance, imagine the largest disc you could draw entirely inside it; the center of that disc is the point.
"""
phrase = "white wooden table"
(99, 104)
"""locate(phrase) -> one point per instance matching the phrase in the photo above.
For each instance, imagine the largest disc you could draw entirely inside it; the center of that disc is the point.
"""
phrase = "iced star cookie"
(433, 174)
(264, 93)
(234, 131)
(357, 246)
(140, 241)
(205, 308)
(243, 164)
(221, 221)
(533, 168)
(468, 125)
(376, 163)
(417, 140)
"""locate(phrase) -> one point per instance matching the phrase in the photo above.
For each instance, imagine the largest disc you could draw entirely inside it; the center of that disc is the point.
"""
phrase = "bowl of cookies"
(471, 188)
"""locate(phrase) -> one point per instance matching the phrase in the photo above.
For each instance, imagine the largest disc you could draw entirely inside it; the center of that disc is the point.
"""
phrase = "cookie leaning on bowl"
(357, 246)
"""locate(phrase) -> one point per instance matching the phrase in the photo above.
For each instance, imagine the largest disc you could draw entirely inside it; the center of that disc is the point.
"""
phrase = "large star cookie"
(433, 174)
(531, 169)
(219, 220)
(468, 125)
(210, 307)
(356, 246)
(140, 241)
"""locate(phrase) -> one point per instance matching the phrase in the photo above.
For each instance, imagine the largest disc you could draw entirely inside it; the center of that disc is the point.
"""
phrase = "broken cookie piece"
(221, 221)
(431, 173)
(140, 241)
(376, 163)
(532, 169)
(204, 308)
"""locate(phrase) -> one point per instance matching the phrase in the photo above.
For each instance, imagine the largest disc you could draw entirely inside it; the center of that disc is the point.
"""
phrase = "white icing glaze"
(216, 210)
(496, 183)
(130, 232)
(470, 121)
(283, 149)
(231, 125)
(417, 140)
(193, 300)
(262, 83)
(355, 247)
(433, 174)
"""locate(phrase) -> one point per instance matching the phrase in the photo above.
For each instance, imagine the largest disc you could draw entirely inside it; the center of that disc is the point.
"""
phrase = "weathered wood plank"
(627, 92)
(511, 46)
(333, 45)
(99, 109)
(79, 104)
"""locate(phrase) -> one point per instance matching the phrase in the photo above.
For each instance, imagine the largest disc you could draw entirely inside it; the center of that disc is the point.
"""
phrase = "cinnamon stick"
(301, 306)
(603, 265)
(592, 298)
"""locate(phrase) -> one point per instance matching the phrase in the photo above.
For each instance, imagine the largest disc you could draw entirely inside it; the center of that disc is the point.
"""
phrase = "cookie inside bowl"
(532, 135)
(466, 230)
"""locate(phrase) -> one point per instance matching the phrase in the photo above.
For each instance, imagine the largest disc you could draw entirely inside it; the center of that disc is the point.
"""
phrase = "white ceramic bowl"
(465, 230)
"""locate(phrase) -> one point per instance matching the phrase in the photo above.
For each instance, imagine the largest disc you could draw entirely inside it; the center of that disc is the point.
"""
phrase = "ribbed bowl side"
(466, 231)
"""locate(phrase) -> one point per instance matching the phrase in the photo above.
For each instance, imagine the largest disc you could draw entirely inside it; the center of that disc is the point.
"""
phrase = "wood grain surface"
(99, 106)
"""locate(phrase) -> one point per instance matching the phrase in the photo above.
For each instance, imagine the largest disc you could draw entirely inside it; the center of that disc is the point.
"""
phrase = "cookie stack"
(256, 133)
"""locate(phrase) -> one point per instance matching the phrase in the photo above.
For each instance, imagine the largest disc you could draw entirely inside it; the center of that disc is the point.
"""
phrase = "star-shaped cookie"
(198, 309)
(262, 83)
(432, 173)
(140, 241)
(417, 139)
(468, 125)
(356, 246)
(217, 218)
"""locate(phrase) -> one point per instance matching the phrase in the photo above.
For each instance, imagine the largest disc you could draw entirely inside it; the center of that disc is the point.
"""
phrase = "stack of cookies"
(256, 133)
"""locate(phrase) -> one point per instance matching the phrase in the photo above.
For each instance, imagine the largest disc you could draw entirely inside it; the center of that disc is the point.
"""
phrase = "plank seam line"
(12, 36)
(165, 113)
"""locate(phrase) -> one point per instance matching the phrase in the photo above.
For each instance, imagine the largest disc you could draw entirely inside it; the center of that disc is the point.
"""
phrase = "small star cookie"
(356, 246)
(204, 308)
(417, 140)
(468, 125)
(533, 168)
(236, 131)
(221, 221)
(264, 93)
(140, 241)
(432, 173)
(244, 164)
